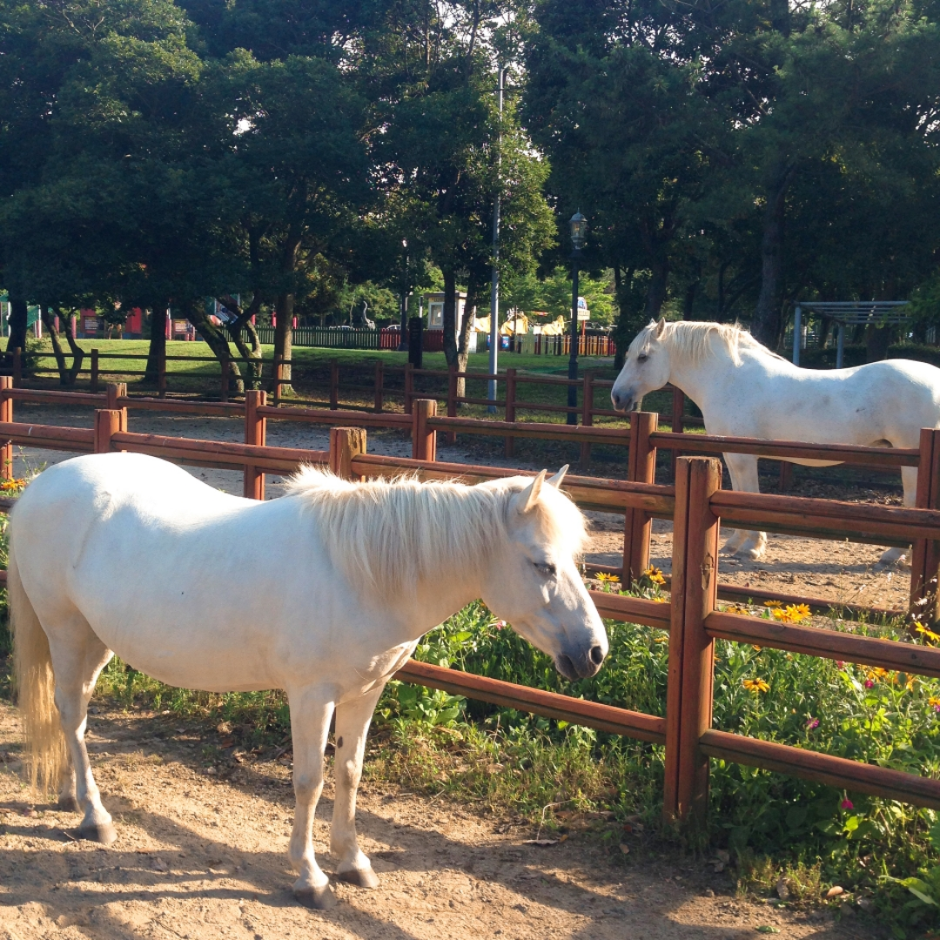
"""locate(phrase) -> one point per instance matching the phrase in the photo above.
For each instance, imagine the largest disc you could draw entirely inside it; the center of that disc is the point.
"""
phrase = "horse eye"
(545, 568)
(642, 358)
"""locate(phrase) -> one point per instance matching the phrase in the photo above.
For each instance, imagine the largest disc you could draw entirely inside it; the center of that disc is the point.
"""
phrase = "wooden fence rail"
(696, 504)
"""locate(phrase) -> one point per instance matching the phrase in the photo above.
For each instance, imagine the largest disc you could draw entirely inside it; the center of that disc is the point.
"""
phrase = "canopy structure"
(848, 313)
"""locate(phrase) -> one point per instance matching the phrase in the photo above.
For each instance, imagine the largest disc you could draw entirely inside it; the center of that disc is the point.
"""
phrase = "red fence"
(696, 505)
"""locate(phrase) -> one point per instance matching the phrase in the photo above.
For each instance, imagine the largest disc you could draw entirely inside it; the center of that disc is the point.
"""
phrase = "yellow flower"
(792, 614)
(660, 639)
(604, 576)
(736, 609)
(773, 603)
(803, 610)
(655, 575)
(934, 703)
(909, 685)
(755, 685)
(927, 634)
(660, 600)
(756, 648)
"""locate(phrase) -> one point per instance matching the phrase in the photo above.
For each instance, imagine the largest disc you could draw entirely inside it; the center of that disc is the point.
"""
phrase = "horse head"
(536, 584)
(645, 369)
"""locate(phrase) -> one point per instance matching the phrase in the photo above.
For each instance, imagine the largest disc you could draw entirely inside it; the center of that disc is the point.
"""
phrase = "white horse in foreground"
(323, 593)
(745, 390)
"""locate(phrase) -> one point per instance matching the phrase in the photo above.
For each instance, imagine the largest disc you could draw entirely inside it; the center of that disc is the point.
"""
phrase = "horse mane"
(695, 340)
(390, 534)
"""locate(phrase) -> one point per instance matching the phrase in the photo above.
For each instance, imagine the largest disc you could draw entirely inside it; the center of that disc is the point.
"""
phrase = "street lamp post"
(578, 228)
(403, 341)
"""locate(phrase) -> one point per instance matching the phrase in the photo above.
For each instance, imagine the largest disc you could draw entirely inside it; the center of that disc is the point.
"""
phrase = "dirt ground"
(202, 856)
(843, 572)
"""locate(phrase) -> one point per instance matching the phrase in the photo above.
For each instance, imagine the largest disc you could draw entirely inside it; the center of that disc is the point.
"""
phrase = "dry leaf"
(624, 848)
(159, 865)
(835, 891)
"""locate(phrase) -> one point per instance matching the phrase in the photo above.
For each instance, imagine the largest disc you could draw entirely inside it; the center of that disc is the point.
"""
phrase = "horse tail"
(34, 683)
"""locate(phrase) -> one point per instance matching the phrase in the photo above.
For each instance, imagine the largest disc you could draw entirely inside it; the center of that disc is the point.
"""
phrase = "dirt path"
(202, 857)
(839, 571)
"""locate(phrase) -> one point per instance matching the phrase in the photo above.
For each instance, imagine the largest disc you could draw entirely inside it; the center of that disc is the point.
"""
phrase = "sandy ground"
(202, 856)
(839, 571)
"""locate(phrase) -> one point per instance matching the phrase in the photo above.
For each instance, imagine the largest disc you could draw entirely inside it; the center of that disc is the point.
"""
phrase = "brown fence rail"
(696, 505)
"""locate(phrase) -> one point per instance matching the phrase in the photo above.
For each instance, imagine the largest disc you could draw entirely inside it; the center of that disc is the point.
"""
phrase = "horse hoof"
(360, 877)
(105, 833)
(318, 899)
(67, 804)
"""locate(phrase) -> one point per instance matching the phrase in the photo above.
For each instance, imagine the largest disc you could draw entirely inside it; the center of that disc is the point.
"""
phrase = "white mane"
(391, 534)
(695, 340)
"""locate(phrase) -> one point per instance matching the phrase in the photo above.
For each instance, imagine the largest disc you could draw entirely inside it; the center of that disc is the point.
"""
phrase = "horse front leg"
(902, 556)
(352, 726)
(310, 714)
(743, 471)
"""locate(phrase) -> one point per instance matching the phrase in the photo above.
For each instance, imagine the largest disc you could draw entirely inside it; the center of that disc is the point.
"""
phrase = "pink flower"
(812, 723)
(869, 684)
(840, 663)
(847, 804)
(499, 624)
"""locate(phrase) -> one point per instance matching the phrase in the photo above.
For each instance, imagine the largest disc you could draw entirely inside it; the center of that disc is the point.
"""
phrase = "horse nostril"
(597, 655)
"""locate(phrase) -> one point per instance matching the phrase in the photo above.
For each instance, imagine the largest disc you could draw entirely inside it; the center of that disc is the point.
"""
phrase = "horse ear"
(530, 495)
(558, 477)
(660, 327)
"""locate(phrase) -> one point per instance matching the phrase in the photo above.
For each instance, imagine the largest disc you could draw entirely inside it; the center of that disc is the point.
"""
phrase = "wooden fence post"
(334, 384)
(94, 371)
(691, 650)
(345, 445)
(409, 386)
(451, 400)
(379, 385)
(641, 468)
(6, 415)
(18, 367)
(108, 421)
(587, 413)
(161, 374)
(925, 555)
(786, 475)
(114, 392)
(256, 432)
(678, 425)
(423, 441)
(223, 392)
(510, 444)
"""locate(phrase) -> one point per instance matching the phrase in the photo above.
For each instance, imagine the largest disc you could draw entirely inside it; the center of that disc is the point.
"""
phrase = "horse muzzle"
(624, 401)
(582, 665)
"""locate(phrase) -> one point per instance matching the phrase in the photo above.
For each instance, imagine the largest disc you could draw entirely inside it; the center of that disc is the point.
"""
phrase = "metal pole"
(840, 346)
(573, 357)
(797, 333)
(494, 285)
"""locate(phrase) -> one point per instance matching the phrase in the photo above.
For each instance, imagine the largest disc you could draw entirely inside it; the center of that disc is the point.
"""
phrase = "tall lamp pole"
(494, 284)
(578, 228)
(403, 340)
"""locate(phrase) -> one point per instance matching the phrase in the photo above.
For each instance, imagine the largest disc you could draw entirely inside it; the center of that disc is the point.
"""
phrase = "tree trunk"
(48, 321)
(656, 293)
(629, 318)
(463, 351)
(766, 324)
(284, 337)
(18, 315)
(156, 354)
(252, 355)
(450, 317)
(215, 340)
(877, 341)
(78, 354)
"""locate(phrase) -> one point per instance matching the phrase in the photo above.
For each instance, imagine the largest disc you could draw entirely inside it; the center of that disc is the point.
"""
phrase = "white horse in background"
(745, 390)
(323, 593)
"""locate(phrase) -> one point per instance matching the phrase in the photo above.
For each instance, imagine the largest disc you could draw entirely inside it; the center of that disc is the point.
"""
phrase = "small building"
(435, 321)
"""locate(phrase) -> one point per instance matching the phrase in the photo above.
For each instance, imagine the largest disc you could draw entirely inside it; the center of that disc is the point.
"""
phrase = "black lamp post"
(578, 228)
(403, 300)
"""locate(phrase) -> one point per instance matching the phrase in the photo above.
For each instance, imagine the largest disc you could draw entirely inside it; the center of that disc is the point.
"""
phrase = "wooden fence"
(696, 504)
(641, 440)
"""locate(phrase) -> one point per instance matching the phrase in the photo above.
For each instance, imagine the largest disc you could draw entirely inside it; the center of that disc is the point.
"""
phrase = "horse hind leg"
(78, 657)
(902, 556)
(352, 726)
